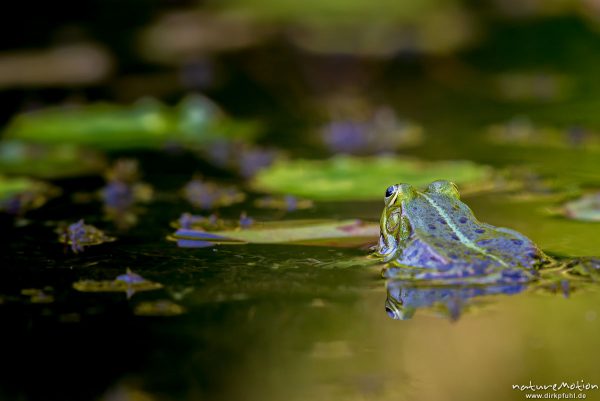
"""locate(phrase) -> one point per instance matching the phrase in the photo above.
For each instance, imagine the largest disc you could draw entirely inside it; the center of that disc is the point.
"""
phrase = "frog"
(431, 235)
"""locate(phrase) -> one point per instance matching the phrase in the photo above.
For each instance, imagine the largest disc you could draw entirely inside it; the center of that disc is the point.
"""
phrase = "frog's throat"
(388, 243)
(461, 236)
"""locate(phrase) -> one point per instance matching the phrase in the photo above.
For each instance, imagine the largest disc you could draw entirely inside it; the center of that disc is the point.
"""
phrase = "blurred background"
(296, 66)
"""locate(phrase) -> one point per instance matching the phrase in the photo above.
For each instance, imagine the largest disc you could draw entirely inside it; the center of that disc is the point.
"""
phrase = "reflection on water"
(404, 299)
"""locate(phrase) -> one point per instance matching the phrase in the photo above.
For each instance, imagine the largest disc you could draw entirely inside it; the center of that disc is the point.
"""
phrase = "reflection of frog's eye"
(390, 312)
(390, 191)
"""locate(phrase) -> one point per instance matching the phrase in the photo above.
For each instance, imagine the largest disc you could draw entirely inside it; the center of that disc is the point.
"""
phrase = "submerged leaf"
(350, 178)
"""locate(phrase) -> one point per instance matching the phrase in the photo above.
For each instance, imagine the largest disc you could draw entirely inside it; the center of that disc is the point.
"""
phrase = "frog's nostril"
(390, 191)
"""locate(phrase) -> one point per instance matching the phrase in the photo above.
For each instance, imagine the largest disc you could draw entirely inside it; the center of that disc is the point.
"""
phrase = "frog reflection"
(403, 299)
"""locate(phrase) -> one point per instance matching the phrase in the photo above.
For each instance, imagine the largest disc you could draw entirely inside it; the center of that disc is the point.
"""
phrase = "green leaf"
(146, 124)
(351, 178)
(296, 231)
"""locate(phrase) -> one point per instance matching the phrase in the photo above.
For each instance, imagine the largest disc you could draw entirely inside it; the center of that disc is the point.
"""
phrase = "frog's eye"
(390, 190)
(445, 188)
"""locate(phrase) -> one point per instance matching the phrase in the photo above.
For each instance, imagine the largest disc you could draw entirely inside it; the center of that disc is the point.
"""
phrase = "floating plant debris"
(196, 231)
(245, 221)
(586, 208)
(351, 178)
(38, 295)
(532, 86)
(520, 131)
(381, 132)
(123, 191)
(240, 157)
(129, 283)
(158, 308)
(79, 235)
(288, 203)
(18, 194)
(208, 223)
(208, 195)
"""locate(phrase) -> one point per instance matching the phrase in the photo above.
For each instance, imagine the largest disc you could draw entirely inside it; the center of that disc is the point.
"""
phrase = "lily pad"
(349, 178)
(48, 161)
(586, 208)
(146, 124)
(19, 194)
(298, 231)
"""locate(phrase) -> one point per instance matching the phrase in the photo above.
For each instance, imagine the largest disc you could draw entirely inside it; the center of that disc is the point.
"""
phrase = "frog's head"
(394, 228)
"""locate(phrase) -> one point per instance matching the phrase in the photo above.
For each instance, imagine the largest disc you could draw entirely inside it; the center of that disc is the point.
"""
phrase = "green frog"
(432, 235)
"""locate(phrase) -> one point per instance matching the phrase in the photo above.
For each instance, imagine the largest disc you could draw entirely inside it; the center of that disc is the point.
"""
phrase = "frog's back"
(448, 239)
(510, 246)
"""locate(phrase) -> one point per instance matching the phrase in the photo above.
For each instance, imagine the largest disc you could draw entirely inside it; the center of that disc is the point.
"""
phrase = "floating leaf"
(18, 194)
(300, 231)
(349, 178)
(586, 208)
(146, 124)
